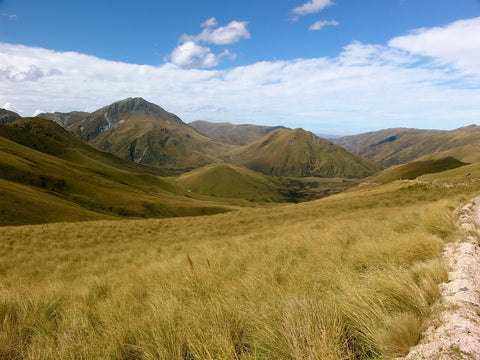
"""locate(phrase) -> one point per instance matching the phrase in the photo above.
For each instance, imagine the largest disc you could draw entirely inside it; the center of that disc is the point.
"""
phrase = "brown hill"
(399, 146)
(299, 153)
(233, 134)
(414, 169)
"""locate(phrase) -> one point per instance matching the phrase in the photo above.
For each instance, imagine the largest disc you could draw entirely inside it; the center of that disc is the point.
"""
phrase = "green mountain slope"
(46, 177)
(233, 134)
(142, 132)
(232, 181)
(299, 153)
(399, 146)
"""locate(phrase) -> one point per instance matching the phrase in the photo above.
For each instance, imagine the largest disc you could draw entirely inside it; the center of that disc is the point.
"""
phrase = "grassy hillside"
(466, 153)
(399, 146)
(46, 170)
(300, 153)
(351, 276)
(231, 181)
(233, 134)
(414, 169)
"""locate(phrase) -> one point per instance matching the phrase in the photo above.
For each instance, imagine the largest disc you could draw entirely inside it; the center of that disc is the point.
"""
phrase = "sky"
(329, 66)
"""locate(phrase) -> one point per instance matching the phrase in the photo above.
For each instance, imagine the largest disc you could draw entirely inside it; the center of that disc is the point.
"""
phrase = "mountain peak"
(7, 116)
(135, 104)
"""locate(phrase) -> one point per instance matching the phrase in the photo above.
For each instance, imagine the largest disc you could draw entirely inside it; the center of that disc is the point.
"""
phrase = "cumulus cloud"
(312, 6)
(319, 25)
(212, 22)
(190, 53)
(224, 35)
(455, 44)
(32, 73)
(365, 87)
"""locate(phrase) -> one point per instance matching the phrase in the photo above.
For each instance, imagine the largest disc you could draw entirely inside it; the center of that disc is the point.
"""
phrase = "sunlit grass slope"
(414, 169)
(56, 171)
(232, 181)
(351, 276)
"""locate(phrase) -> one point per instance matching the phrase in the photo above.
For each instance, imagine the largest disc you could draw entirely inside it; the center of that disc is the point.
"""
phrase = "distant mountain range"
(398, 146)
(233, 134)
(137, 130)
(134, 159)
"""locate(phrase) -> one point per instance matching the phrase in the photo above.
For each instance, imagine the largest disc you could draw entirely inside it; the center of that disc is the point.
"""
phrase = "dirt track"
(454, 331)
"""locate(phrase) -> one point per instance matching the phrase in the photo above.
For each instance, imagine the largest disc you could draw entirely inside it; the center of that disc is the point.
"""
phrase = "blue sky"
(330, 66)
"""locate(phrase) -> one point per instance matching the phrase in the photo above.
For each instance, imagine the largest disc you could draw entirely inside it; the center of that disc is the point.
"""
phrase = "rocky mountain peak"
(7, 116)
(137, 104)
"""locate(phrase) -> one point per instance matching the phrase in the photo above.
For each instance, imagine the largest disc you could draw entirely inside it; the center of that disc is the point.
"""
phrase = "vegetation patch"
(351, 276)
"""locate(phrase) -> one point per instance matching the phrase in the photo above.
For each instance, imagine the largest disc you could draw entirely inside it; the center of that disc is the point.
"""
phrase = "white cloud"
(190, 54)
(457, 44)
(365, 87)
(225, 35)
(319, 25)
(7, 106)
(212, 22)
(312, 6)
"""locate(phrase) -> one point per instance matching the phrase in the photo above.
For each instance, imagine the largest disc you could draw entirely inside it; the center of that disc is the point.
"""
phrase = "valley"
(126, 233)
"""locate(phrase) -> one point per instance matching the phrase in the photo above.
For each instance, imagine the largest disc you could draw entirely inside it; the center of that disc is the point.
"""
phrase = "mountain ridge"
(401, 145)
(299, 153)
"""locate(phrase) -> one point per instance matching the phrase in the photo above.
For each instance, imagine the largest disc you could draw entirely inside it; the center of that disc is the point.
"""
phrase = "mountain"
(299, 153)
(65, 119)
(399, 146)
(142, 132)
(48, 174)
(233, 134)
(7, 116)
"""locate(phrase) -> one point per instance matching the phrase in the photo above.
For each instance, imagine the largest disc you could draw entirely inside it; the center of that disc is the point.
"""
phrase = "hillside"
(233, 134)
(414, 169)
(299, 153)
(231, 181)
(48, 175)
(142, 132)
(399, 146)
(352, 276)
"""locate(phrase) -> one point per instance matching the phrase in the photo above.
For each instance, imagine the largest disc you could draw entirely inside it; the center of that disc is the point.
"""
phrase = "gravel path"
(454, 332)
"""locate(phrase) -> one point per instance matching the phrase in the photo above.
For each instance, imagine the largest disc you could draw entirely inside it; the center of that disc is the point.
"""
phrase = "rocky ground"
(454, 330)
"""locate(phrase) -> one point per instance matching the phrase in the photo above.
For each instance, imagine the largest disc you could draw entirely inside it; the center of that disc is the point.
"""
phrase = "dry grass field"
(351, 276)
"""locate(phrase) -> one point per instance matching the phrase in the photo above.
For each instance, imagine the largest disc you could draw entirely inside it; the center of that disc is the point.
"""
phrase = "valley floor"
(454, 330)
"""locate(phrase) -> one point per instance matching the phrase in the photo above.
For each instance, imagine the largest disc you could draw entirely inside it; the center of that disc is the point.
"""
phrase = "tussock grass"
(347, 277)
